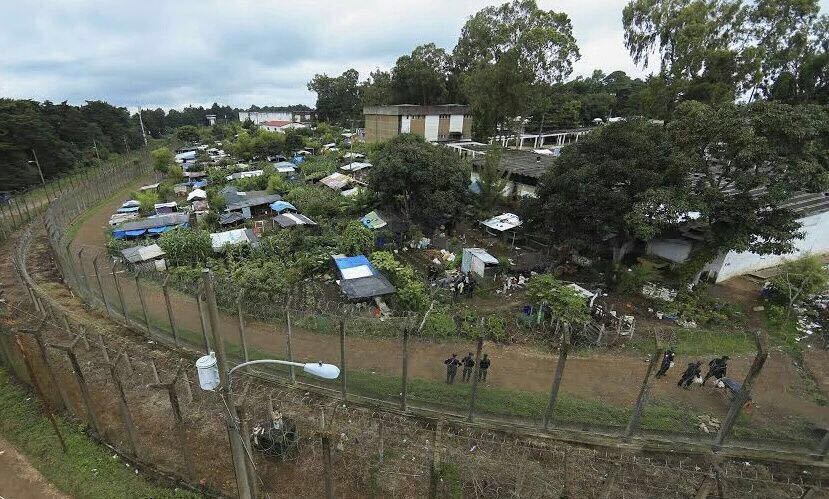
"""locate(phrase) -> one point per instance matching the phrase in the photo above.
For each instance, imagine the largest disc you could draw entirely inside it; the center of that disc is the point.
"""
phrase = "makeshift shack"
(477, 261)
(231, 218)
(220, 240)
(197, 194)
(280, 206)
(286, 220)
(249, 204)
(145, 257)
(165, 208)
(505, 224)
(151, 226)
(359, 279)
(284, 167)
(336, 181)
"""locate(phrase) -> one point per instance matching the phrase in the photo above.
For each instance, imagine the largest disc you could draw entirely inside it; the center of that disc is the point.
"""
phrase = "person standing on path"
(690, 373)
(451, 368)
(468, 363)
(483, 367)
(717, 368)
(667, 362)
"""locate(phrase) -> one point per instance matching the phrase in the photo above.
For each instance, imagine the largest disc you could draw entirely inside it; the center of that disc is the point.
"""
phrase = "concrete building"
(522, 168)
(281, 126)
(812, 211)
(434, 123)
(259, 117)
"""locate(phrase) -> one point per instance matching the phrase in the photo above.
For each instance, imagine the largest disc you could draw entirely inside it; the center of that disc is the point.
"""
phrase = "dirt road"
(608, 377)
(20, 480)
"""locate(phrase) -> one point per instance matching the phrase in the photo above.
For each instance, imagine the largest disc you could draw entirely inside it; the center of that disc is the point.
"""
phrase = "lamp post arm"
(266, 361)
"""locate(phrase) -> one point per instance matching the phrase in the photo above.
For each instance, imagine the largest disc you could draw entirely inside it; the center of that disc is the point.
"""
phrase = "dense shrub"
(411, 291)
(185, 246)
(356, 239)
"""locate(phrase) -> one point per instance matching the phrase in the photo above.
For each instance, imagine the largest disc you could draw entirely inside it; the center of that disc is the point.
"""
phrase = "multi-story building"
(259, 117)
(434, 123)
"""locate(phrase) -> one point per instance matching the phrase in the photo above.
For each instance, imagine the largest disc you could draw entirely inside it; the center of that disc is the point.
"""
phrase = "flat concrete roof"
(409, 109)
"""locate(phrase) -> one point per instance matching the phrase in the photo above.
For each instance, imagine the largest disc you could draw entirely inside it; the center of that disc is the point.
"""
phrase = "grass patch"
(701, 342)
(86, 470)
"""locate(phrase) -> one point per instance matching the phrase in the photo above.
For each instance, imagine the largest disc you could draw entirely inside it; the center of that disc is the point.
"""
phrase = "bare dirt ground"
(20, 480)
(609, 377)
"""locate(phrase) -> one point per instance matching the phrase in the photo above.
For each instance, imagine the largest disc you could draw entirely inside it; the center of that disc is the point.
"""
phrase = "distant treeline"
(64, 136)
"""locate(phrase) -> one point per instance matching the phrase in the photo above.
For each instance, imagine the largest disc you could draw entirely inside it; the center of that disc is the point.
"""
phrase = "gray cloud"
(170, 54)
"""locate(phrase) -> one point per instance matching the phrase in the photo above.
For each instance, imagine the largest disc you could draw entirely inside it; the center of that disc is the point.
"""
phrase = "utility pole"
(39, 170)
(141, 121)
(95, 145)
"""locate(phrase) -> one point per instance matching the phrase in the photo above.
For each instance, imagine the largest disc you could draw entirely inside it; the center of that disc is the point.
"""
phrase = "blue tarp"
(353, 261)
(298, 160)
(159, 230)
(128, 209)
(134, 233)
(280, 206)
(199, 184)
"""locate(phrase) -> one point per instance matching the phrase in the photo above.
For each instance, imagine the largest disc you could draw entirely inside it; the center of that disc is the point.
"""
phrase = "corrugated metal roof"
(138, 254)
(156, 221)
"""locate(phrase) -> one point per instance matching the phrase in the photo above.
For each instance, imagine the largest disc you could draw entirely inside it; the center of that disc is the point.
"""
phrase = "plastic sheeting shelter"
(359, 279)
(197, 194)
(336, 181)
(280, 206)
(151, 225)
(138, 254)
(219, 240)
(503, 222)
(284, 167)
(476, 260)
(355, 166)
(286, 220)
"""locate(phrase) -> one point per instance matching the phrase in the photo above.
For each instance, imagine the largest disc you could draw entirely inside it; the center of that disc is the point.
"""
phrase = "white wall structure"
(431, 130)
(405, 124)
(261, 116)
(815, 241)
(456, 123)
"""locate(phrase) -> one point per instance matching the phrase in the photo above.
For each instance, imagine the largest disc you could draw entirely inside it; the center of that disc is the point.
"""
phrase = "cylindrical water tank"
(208, 372)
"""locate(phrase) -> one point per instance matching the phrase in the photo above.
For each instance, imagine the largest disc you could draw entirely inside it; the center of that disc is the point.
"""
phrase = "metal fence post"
(121, 297)
(123, 407)
(181, 432)
(564, 349)
(475, 375)
(39, 392)
(744, 394)
(101, 286)
(84, 389)
(289, 341)
(203, 319)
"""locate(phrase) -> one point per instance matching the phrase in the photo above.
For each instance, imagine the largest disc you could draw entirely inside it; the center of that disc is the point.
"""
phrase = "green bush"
(563, 302)
(356, 239)
(631, 281)
(411, 291)
(186, 246)
(799, 279)
(439, 325)
(315, 200)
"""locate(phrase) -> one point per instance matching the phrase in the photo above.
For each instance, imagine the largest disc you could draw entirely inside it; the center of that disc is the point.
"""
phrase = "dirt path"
(609, 377)
(20, 480)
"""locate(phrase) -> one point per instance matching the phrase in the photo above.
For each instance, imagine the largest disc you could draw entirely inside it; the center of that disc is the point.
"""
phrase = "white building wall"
(405, 124)
(815, 241)
(259, 117)
(431, 127)
(456, 123)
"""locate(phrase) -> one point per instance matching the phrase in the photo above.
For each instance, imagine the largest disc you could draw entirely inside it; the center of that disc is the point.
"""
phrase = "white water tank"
(208, 372)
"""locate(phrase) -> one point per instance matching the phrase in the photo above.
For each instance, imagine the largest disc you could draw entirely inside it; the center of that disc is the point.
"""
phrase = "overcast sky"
(175, 53)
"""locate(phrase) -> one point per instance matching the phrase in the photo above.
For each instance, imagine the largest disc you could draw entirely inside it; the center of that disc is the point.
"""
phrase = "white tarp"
(503, 222)
(197, 194)
(232, 237)
(355, 166)
(357, 272)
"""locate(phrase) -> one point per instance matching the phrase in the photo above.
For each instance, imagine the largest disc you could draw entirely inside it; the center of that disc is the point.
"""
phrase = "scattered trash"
(651, 290)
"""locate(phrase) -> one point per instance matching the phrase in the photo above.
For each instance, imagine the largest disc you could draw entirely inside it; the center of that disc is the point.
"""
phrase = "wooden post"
(405, 374)
(380, 437)
(82, 273)
(79, 377)
(169, 306)
(242, 341)
(475, 374)
(434, 465)
(244, 422)
(642, 398)
(103, 347)
(143, 304)
(101, 287)
(44, 355)
(179, 423)
(39, 392)
(343, 383)
(288, 339)
(154, 368)
(123, 407)
(328, 466)
(741, 397)
(564, 349)
(203, 319)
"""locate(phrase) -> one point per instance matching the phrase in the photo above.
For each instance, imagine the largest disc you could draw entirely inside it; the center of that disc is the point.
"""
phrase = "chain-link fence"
(392, 375)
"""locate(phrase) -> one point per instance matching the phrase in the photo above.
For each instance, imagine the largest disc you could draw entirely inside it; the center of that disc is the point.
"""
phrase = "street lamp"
(209, 378)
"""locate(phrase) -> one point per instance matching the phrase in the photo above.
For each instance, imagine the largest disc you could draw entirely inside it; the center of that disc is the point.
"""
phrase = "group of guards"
(717, 369)
(468, 364)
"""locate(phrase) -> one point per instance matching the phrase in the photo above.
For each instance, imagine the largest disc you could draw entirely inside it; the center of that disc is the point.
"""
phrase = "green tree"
(799, 279)
(491, 179)
(745, 162)
(188, 133)
(420, 78)
(186, 246)
(563, 302)
(147, 200)
(356, 239)
(338, 98)
(163, 158)
(586, 198)
(426, 183)
(377, 89)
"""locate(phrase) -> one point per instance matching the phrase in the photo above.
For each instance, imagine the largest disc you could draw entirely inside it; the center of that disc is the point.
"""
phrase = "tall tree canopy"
(338, 98)
(421, 78)
(427, 183)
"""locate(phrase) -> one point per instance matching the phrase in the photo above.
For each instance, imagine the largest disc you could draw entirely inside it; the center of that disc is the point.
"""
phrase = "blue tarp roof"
(200, 183)
(353, 261)
(298, 160)
(128, 209)
(279, 206)
(134, 233)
